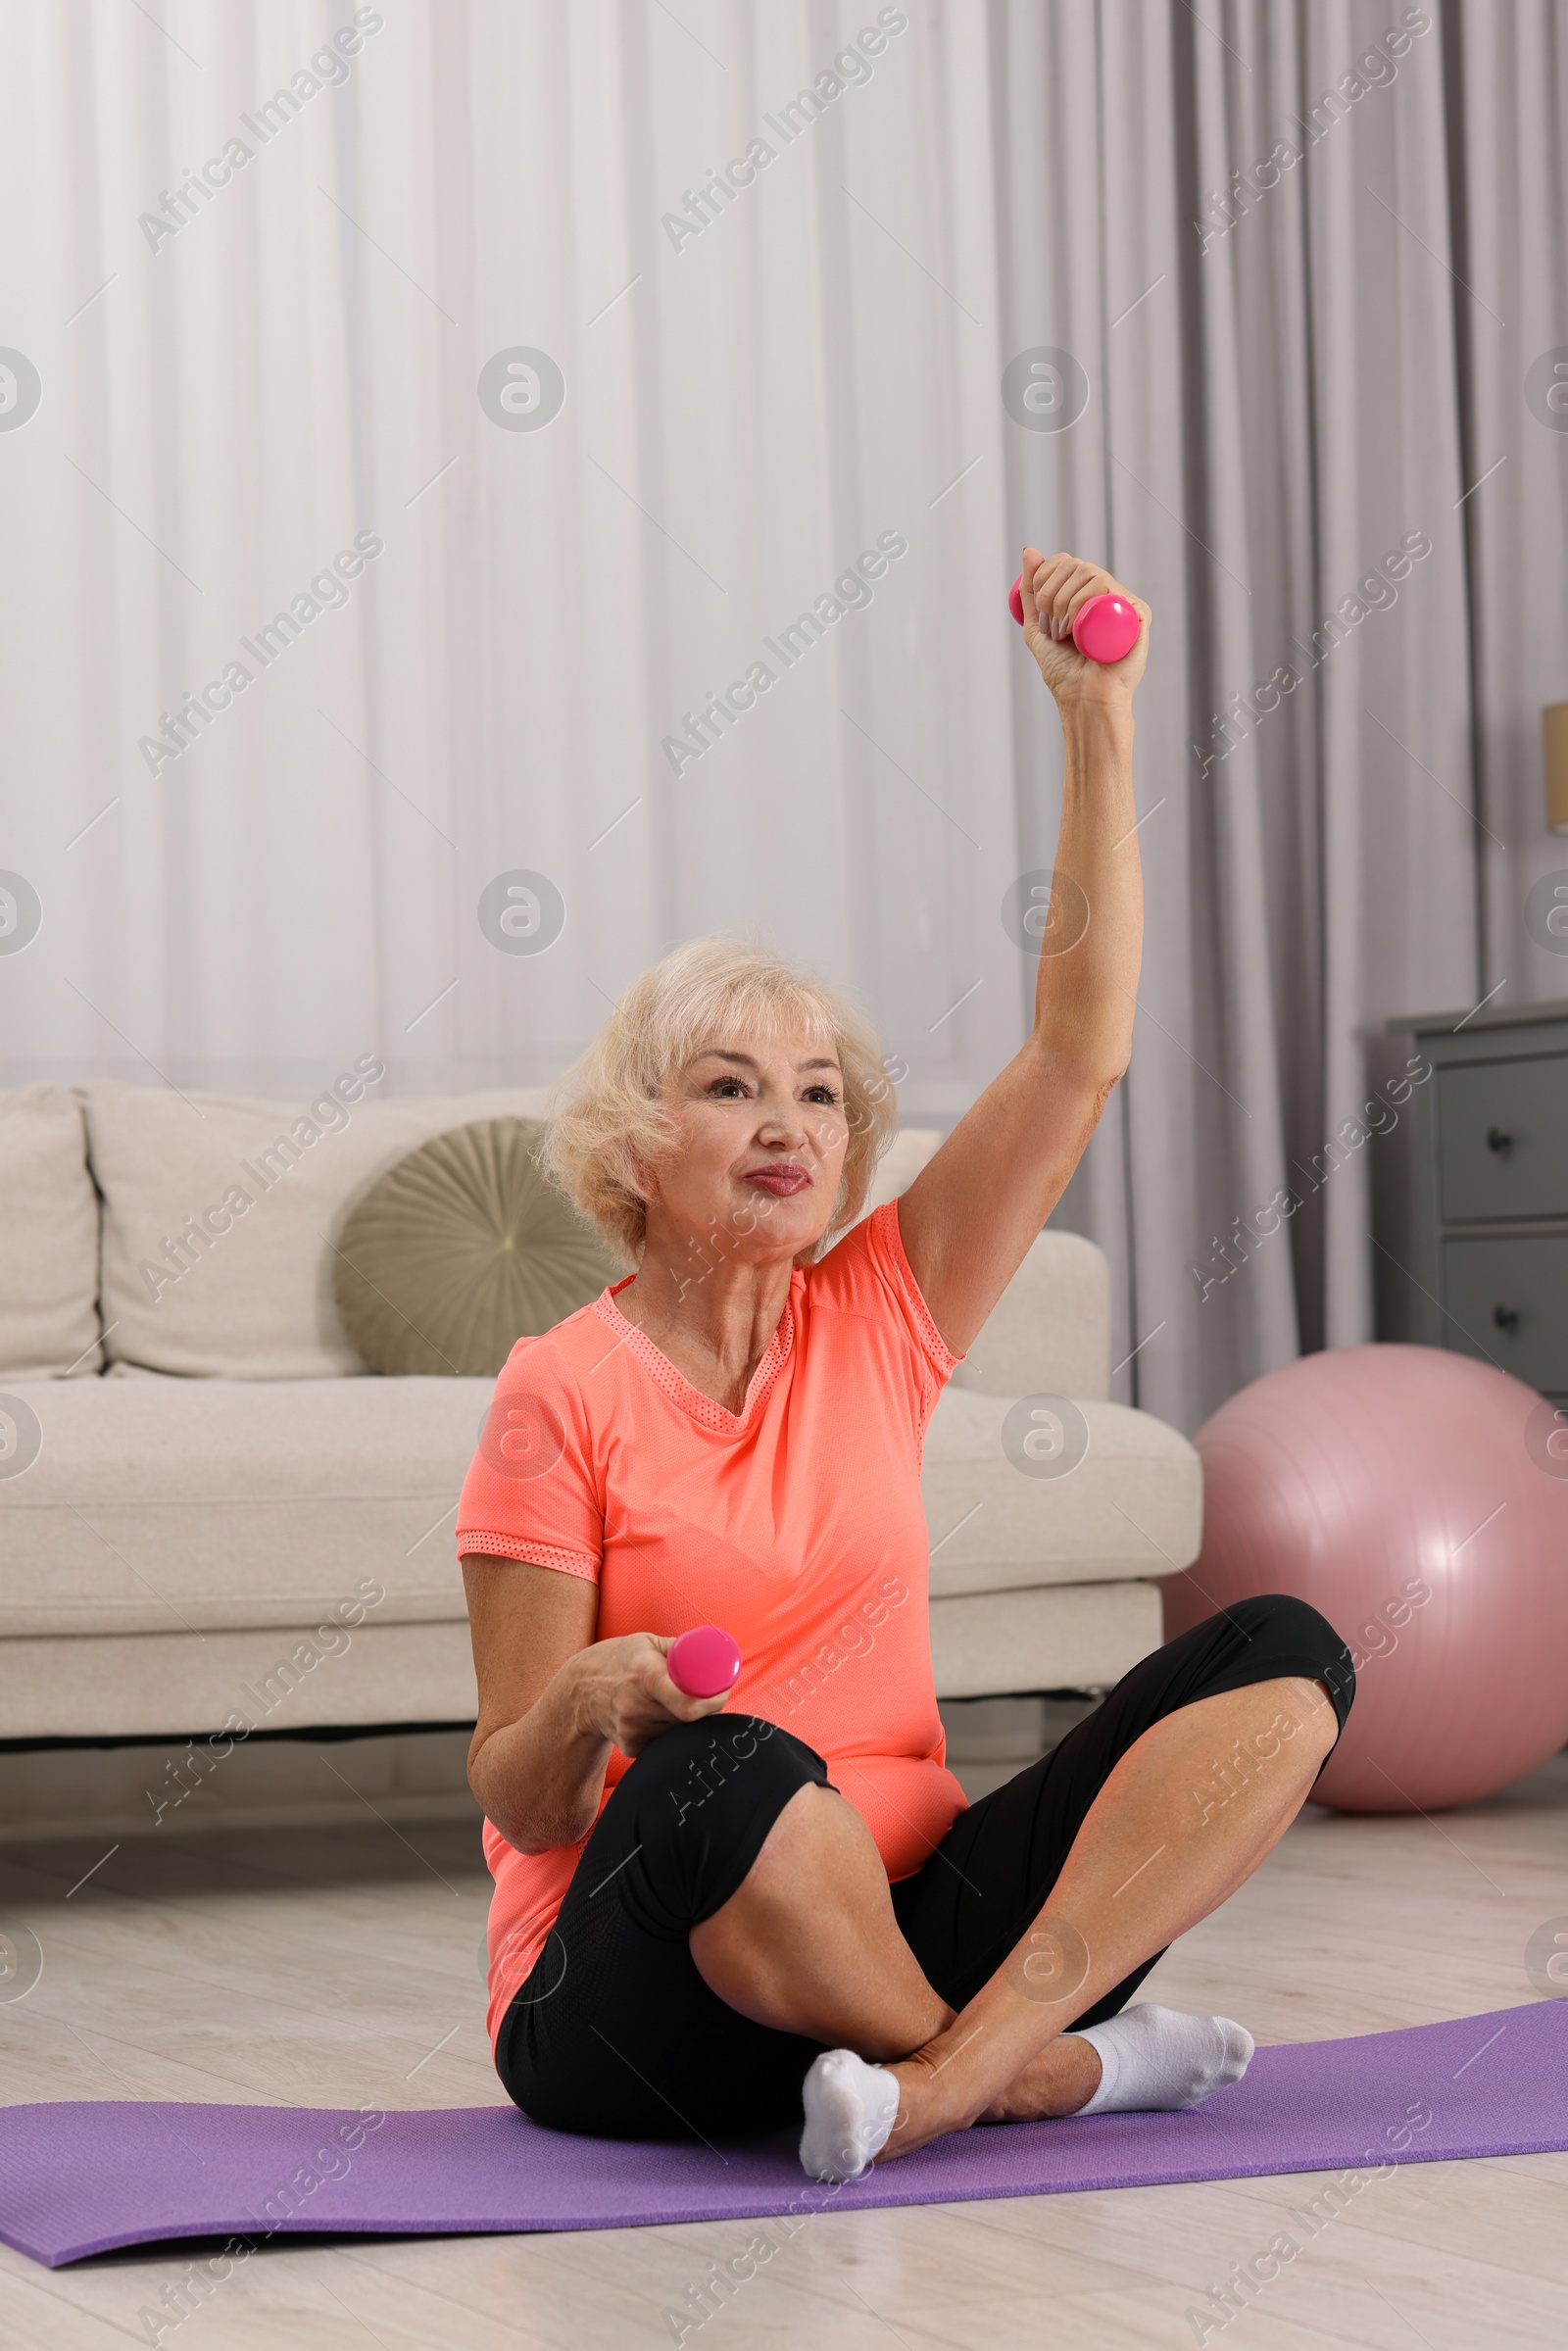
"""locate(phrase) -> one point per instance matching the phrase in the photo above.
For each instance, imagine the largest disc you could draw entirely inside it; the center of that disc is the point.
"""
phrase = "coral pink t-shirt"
(796, 1524)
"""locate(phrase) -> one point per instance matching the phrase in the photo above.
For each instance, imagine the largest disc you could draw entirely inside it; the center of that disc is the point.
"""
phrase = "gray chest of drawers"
(1471, 1201)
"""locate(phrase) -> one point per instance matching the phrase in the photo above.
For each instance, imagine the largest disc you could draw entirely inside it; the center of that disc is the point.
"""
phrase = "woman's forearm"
(540, 1779)
(1087, 986)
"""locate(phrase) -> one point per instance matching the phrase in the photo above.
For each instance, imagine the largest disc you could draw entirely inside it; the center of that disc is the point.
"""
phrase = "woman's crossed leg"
(732, 1921)
(811, 1944)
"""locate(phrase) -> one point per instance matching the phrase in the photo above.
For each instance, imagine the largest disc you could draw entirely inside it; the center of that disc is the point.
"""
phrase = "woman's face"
(756, 1170)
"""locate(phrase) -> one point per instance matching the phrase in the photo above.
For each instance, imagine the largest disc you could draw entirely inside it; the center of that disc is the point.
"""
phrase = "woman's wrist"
(1096, 720)
(584, 1688)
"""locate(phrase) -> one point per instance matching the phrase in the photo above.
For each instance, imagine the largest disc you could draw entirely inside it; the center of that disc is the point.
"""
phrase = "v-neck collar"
(701, 1408)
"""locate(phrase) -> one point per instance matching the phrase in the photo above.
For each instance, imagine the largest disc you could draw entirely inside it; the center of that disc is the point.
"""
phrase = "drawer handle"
(1498, 1141)
(1506, 1318)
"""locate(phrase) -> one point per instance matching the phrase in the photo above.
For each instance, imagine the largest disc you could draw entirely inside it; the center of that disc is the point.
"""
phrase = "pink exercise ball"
(1419, 1499)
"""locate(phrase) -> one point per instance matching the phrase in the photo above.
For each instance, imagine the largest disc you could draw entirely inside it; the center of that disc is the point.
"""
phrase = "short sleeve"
(868, 1273)
(532, 1491)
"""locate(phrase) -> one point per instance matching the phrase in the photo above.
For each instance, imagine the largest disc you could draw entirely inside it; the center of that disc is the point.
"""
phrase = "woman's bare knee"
(816, 1828)
(818, 1851)
(809, 1941)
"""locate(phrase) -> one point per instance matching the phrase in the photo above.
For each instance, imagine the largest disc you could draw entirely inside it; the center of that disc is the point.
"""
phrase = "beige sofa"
(212, 1515)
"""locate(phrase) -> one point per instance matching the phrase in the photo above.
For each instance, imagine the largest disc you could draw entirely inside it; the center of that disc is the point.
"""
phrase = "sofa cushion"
(166, 1505)
(461, 1249)
(158, 1505)
(48, 1239)
(220, 1214)
(1132, 1506)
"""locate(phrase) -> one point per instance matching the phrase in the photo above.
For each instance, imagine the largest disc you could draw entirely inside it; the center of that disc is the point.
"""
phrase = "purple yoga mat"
(82, 2178)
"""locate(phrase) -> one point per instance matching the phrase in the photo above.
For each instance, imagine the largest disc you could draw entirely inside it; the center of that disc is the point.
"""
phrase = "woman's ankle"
(1060, 2081)
(932, 2098)
(917, 2119)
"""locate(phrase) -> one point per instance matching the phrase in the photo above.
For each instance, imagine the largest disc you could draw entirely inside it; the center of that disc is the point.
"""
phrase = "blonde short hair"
(610, 1109)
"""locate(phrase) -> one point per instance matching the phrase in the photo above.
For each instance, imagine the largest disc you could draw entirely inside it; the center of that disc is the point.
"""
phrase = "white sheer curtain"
(744, 416)
(748, 405)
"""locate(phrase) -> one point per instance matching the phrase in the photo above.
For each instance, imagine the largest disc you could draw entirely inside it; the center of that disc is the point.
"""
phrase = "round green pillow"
(461, 1249)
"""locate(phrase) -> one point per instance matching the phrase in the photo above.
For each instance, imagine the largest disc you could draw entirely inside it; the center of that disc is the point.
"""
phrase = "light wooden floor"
(339, 1967)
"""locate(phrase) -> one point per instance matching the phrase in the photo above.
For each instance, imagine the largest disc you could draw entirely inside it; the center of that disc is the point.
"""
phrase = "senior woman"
(715, 1916)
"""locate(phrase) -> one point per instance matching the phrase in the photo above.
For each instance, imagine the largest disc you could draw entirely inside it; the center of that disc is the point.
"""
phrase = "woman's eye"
(727, 1088)
(824, 1095)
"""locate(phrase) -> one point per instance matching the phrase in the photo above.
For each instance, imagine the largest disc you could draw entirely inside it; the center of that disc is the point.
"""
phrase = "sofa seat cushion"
(221, 1213)
(48, 1238)
(166, 1505)
(1132, 1506)
(156, 1503)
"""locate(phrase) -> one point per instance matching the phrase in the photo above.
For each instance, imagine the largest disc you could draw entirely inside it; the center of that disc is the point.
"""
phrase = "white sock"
(851, 2107)
(1155, 2059)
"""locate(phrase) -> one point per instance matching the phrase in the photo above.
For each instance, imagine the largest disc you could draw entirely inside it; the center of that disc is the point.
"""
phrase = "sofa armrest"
(1050, 1332)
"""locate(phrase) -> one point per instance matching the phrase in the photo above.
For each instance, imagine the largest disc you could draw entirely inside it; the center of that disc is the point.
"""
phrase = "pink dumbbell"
(1106, 630)
(704, 1663)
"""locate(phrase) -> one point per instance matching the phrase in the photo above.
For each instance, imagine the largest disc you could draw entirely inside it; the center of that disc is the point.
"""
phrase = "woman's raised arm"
(969, 1216)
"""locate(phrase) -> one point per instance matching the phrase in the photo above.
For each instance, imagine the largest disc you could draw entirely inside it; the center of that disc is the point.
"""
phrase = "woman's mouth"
(783, 1180)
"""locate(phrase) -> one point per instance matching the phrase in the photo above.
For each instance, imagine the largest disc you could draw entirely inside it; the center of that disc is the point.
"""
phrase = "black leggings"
(615, 2034)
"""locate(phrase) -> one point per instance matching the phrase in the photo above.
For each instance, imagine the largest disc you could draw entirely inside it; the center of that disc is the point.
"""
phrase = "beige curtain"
(1308, 256)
